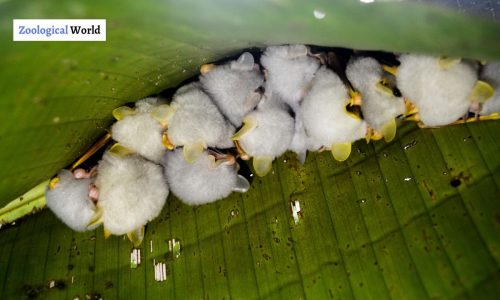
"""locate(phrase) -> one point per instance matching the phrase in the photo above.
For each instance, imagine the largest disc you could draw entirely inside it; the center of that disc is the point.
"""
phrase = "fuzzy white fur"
(441, 95)
(199, 182)
(140, 132)
(377, 107)
(491, 74)
(197, 119)
(233, 88)
(289, 71)
(300, 140)
(325, 118)
(70, 201)
(132, 192)
(274, 131)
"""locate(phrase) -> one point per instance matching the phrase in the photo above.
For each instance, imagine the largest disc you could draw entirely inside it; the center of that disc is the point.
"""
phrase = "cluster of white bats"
(292, 100)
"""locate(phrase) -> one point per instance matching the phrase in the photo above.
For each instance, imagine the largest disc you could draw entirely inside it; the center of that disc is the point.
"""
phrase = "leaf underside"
(413, 219)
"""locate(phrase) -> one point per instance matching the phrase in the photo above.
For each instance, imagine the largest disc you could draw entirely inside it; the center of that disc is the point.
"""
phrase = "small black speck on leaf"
(455, 182)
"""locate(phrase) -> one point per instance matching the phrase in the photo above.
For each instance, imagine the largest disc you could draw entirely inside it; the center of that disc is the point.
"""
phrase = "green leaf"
(416, 218)
(28, 203)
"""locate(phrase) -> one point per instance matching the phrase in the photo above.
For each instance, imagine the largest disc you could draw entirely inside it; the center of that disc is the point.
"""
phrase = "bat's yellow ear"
(446, 62)
(341, 151)
(249, 124)
(119, 150)
(107, 233)
(481, 92)
(123, 111)
(97, 218)
(262, 165)
(193, 151)
(136, 236)
(163, 113)
(389, 130)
